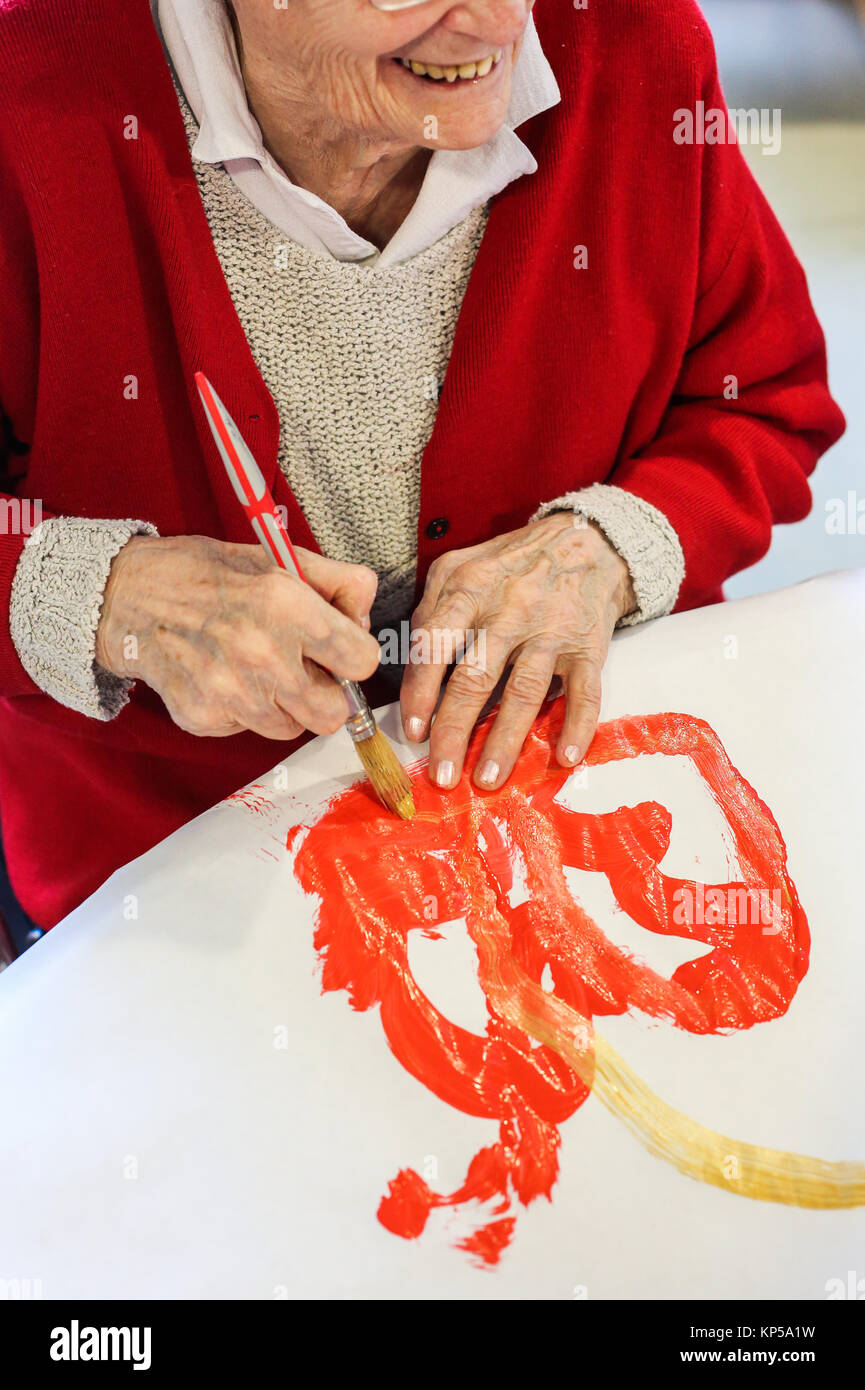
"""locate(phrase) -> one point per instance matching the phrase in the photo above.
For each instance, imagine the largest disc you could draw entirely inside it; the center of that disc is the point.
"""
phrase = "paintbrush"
(381, 764)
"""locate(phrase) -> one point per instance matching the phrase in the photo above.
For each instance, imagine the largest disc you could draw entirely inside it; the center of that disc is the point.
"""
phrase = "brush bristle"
(387, 775)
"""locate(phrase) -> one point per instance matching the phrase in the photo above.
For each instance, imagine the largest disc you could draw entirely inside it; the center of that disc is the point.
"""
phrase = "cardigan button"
(437, 528)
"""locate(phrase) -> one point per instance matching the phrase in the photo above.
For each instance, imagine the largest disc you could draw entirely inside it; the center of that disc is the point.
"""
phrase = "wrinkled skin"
(229, 642)
(547, 598)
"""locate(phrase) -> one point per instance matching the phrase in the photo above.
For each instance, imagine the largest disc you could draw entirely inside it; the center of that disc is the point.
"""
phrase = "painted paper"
(593, 1036)
(540, 1057)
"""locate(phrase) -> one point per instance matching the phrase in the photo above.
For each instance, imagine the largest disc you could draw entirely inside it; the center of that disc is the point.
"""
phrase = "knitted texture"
(55, 609)
(354, 358)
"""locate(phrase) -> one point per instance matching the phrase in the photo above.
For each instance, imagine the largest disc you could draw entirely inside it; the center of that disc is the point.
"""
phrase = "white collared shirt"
(199, 41)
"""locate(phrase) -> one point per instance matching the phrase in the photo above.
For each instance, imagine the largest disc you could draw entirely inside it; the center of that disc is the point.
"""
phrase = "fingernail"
(365, 623)
(488, 773)
(444, 774)
(572, 754)
(415, 729)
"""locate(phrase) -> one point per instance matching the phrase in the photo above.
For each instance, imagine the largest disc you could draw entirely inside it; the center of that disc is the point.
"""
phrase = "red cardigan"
(560, 377)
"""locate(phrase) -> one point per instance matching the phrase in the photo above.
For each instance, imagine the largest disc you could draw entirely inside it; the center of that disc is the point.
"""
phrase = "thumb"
(350, 588)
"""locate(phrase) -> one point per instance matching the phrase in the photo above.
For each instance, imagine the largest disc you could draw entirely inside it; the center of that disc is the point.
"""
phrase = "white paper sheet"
(184, 1113)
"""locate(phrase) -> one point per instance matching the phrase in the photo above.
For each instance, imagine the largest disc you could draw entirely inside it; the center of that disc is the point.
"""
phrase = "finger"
(206, 706)
(437, 641)
(523, 696)
(466, 693)
(582, 683)
(227, 702)
(288, 661)
(201, 721)
(278, 725)
(261, 711)
(332, 640)
(288, 698)
(350, 588)
(314, 698)
(437, 577)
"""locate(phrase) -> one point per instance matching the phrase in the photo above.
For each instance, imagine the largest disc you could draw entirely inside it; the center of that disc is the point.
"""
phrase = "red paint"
(254, 799)
(488, 1242)
(377, 877)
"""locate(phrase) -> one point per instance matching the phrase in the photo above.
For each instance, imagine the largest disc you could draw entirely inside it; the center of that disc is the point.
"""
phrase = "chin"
(468, 134)
(467, 129)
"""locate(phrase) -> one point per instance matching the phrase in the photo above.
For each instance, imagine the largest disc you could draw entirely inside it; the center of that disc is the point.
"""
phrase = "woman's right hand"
(230, 642)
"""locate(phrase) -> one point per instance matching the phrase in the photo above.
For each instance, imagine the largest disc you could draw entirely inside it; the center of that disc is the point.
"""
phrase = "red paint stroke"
(488, 1242)
(253, 799)
(377, 879)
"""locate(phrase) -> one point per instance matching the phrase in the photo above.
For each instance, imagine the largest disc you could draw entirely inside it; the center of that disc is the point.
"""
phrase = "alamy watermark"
(408, 646)
(845, 516)
(735, 905)
(716, 125)
(77, 1343)
(20, 516)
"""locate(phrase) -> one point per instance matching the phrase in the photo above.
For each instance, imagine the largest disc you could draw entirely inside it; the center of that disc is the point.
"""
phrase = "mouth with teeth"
(465, 72)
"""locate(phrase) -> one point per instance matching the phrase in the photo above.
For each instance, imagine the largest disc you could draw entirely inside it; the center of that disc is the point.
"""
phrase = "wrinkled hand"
(547, 599)
(230, 642)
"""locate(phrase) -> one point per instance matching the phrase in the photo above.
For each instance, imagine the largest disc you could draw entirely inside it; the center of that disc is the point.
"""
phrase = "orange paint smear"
(534, 1067)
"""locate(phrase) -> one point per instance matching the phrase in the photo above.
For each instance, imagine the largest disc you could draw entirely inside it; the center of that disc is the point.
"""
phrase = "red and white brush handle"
(255, 497)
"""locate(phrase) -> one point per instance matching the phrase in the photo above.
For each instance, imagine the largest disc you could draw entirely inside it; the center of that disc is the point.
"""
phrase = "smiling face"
(382, 76)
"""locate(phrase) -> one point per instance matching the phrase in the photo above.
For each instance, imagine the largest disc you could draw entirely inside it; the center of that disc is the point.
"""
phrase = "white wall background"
(808, 58)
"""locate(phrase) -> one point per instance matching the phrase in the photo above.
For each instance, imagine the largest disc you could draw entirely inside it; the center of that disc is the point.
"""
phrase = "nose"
(509, 13)
(501, 21)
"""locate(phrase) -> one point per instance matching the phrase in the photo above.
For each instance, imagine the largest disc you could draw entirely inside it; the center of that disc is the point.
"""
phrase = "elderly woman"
(513, 355)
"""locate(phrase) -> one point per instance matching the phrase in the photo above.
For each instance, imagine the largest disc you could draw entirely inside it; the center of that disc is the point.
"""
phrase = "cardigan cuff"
(642, 536)
(56, 604)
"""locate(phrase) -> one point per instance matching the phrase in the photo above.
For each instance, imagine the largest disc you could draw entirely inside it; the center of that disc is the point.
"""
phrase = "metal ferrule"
(360, 722)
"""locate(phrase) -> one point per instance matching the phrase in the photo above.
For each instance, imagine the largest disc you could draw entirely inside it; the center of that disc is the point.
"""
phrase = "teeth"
(466, 72)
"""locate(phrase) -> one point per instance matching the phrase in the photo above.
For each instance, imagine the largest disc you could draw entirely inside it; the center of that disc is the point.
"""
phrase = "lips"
(463, 72)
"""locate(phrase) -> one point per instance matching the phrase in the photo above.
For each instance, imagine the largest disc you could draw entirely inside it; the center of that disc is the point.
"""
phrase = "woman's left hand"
(546, 599)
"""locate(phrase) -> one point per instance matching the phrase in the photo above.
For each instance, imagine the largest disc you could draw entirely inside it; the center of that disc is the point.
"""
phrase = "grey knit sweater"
(353, 357)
